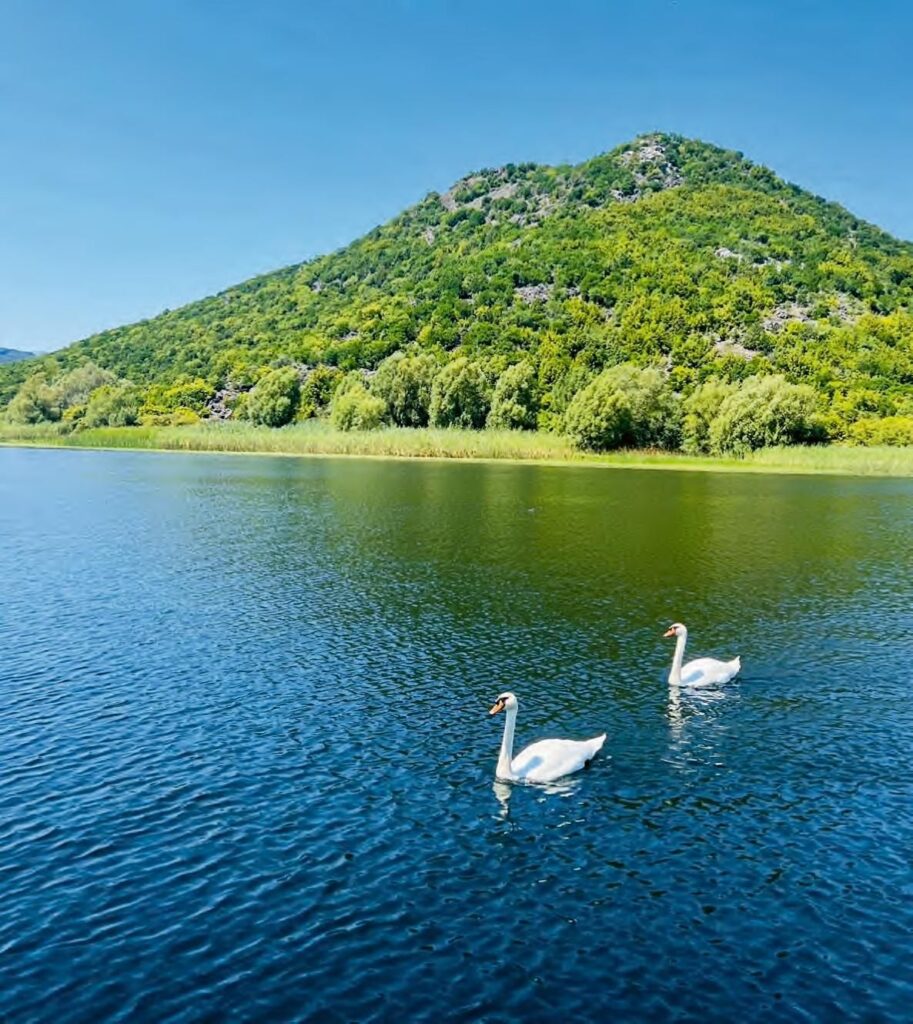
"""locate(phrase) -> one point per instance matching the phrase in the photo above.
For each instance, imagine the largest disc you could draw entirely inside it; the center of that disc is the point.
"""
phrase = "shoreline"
(426, 444)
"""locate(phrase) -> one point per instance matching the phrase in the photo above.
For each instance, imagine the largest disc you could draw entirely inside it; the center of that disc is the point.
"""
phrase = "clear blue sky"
(155, 151)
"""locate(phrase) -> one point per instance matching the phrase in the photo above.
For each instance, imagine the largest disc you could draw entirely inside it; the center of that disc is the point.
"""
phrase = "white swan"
(701, 671)
(544, 761)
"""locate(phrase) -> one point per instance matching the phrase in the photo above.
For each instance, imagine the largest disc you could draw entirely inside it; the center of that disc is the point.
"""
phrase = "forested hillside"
(664, 253)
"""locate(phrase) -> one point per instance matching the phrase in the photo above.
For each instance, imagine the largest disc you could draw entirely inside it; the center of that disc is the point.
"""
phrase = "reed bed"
(321, 438)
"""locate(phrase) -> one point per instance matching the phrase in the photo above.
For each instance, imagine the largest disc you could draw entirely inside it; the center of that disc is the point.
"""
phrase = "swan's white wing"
(548, 760)
(709, 671)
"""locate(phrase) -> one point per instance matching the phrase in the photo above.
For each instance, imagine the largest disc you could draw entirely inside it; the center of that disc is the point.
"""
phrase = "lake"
(248, 766)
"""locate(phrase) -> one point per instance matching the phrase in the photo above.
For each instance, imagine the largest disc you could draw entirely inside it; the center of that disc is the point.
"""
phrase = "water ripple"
(248, 770)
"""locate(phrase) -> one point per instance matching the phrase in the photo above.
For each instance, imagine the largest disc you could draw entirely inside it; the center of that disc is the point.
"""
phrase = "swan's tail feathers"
(736, 664)
(594, 746)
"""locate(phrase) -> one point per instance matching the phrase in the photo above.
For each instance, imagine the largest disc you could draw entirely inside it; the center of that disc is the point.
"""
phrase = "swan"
(701, 671)
(544, 761)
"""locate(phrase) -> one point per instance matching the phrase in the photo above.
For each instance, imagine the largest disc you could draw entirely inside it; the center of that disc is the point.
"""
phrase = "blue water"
(247, 765)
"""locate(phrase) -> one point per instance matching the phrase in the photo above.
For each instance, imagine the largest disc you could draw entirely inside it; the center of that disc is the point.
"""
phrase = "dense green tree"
(75, 386)
(274, 400)
(404, 383)
(700, 408)
(514, 403)
(461, 395)
(625, 407)
(317, 390)
(599, 416)
(355, 408)
(35, 402)
(113, 405)
(764, 411)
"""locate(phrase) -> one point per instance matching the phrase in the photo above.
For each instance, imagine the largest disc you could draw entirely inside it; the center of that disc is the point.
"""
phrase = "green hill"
(666, 252)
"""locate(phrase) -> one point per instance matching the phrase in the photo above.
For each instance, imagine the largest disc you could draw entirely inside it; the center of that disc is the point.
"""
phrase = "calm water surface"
(247, 765)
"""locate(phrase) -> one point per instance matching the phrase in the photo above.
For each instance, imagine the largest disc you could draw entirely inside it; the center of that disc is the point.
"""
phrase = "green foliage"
(35, 402)
(112, 405)
(701, 408)
(850, 406)
(239, 406)
(763, 412)
(41, 401)
(274, 401)
(185, 393)
(354, 408)
(179, 417)
(892, 430)
(317, 391)
(514, 403)
(184, 417)
(73, 416)
(460, 395)
(351, 381)
(554, 400)
(625, 407)
(404, 383)
(75, 386)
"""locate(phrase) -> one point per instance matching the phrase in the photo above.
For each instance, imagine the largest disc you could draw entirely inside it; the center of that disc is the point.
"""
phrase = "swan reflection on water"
(543, 790)
(694, 726)
(685, 698)
(674, 711)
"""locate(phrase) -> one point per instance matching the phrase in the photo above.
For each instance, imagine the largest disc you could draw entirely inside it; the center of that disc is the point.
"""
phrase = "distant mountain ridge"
(13, 355)
(664, 251)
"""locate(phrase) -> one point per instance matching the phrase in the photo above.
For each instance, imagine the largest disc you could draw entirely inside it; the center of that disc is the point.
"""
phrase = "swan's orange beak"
(498, 706)
(669, 632)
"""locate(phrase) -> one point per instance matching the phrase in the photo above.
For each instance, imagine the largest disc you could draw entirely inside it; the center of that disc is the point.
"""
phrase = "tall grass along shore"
(320, 438)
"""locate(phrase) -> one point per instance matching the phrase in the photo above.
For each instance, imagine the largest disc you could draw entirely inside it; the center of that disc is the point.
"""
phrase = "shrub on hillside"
(169, 405)
(73, 416)
(625, 407)
(274, 401)
(862, 403)
(179, 417)
(184, 416)
(356, 409)
(187, 393)
(112, 405)
(764, 411)
(514, 403)
(404, 383)
(460, 396)
(892, 430)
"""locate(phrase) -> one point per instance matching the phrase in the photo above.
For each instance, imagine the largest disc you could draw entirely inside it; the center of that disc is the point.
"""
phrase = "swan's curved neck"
(675, 676)
(507, 745)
